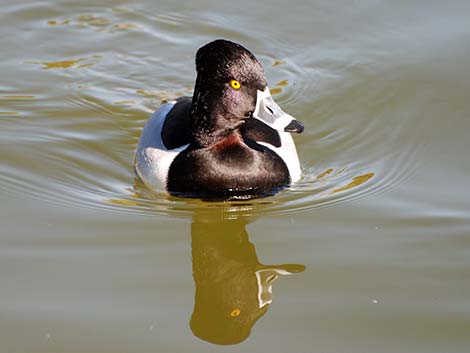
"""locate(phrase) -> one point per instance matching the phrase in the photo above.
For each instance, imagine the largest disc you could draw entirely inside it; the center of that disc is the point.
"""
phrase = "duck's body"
(218, 144)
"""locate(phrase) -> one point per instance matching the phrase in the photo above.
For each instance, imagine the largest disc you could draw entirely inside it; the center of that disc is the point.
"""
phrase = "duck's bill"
(272, 115)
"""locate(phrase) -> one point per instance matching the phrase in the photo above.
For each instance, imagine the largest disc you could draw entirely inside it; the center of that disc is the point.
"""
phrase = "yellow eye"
(235, 84)
(235, 312)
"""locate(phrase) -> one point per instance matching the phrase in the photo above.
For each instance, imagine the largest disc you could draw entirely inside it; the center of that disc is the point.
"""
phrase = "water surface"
(369, 252)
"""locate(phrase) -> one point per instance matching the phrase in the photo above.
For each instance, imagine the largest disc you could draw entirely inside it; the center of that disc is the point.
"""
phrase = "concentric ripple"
(74, 147)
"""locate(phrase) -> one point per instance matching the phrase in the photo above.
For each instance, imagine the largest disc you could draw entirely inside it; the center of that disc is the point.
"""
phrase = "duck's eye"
(235, 84)
(235, 312)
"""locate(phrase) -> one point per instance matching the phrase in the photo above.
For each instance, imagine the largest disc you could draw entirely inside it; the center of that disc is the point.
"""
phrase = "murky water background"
(376, 236)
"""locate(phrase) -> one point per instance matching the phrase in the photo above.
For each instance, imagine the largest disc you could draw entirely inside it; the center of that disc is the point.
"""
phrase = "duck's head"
(231, 88)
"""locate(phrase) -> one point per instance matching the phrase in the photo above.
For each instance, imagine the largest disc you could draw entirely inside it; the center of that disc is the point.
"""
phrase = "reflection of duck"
(233, 289)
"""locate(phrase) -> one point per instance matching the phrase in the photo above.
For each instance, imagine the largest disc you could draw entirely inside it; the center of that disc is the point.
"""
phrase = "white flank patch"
(152, 158)
(288, 154)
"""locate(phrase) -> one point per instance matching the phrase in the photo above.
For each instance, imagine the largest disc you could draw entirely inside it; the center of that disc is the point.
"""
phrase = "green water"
(371, 247)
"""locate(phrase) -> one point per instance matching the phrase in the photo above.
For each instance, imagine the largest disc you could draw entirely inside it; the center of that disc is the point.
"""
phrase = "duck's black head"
(230, 88)
(228, 78)
(220, 61)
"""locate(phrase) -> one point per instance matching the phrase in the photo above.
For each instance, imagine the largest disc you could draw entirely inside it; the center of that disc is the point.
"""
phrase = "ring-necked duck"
(230, 140)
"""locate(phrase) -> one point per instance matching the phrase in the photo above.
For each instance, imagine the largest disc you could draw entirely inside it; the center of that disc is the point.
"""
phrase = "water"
(375, 236)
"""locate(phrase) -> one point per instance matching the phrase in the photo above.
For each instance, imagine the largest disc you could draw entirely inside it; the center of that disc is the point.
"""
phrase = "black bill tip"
(294, 126)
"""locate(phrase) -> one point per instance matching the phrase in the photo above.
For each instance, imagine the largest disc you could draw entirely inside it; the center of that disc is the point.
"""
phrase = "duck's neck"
(210, 124)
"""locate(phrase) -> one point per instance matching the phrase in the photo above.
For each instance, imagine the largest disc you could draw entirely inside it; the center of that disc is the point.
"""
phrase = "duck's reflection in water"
(233, 289)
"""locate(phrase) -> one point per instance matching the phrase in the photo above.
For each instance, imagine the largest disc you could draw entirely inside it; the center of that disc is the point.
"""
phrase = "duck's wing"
(176, 130)
(258, 131)
(280, 142)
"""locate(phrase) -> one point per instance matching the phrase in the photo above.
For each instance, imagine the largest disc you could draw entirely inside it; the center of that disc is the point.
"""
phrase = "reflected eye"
(235, 84)
(235, 312)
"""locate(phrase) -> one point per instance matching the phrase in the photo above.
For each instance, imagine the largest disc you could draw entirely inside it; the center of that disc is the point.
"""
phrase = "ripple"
(78, 151)
(9, 113)
(92, 159)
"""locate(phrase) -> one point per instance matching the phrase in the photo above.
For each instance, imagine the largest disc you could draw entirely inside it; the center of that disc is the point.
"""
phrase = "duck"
(230, 140)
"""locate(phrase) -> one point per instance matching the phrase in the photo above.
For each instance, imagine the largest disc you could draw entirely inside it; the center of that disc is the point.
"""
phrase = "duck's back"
(165, 160)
